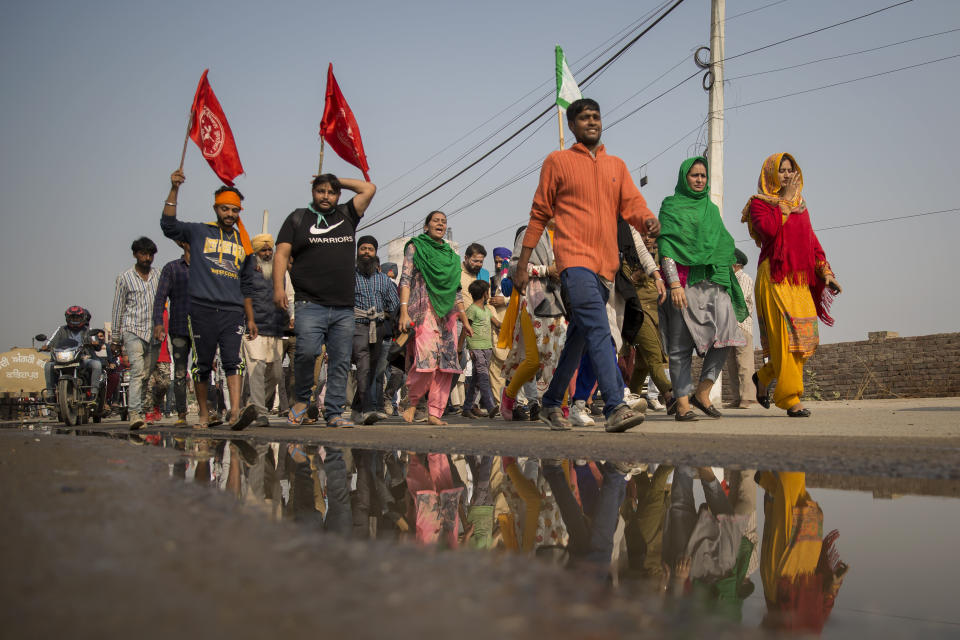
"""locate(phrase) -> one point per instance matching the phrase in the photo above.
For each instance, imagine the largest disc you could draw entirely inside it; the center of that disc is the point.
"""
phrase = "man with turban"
(221, 257)
(375, 300)
(262, 349)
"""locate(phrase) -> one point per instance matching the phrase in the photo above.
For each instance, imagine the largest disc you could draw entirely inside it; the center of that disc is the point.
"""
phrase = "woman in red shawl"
(794, 285)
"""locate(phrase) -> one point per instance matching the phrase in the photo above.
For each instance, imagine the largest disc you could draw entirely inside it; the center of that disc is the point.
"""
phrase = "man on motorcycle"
(76, 328)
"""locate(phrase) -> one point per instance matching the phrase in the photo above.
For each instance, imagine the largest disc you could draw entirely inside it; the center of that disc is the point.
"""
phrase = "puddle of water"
(766, 550)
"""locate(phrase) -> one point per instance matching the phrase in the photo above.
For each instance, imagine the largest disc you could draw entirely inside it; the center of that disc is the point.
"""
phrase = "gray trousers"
(680, 347)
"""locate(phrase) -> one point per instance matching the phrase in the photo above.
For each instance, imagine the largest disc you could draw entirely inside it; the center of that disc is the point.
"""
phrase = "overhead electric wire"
(616, 38)
(821, 29)
(494, 166)
(766, 6)
(533, 121)
(609, 61)
(837, 84)
(877, 221)
(527, 172)
(608, 112)
(843, 55)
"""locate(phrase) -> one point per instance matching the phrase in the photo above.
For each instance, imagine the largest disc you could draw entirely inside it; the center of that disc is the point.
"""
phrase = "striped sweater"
(585, 193)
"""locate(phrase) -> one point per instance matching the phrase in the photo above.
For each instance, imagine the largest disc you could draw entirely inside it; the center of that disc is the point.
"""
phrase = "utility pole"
(715, 131)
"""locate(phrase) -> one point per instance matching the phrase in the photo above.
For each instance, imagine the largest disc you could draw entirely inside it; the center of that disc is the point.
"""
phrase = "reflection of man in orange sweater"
(585, 190)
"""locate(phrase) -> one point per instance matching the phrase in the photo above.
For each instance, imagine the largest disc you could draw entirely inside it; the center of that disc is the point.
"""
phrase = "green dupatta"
(693, 234)
(440, 268)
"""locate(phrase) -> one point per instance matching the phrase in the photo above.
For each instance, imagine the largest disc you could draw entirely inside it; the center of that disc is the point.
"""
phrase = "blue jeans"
(586, 378)
(318, 325)
(590, 538)
(588, 331)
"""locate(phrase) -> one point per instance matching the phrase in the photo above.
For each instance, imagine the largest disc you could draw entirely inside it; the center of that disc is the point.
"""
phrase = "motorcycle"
(76, 399)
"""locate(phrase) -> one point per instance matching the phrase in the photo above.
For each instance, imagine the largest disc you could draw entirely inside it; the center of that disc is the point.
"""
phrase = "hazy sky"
(95, 96)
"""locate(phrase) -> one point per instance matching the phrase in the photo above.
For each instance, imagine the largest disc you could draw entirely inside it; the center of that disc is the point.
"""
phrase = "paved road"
(918, 438)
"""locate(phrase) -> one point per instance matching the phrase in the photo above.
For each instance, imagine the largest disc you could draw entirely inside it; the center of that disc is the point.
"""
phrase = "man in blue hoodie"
(220, 258)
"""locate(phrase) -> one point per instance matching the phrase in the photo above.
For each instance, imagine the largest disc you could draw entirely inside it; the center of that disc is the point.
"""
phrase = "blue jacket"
(218, 262)
(270, 320)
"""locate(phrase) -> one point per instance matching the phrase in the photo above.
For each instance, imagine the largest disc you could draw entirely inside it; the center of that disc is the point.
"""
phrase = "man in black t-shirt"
(321, 240)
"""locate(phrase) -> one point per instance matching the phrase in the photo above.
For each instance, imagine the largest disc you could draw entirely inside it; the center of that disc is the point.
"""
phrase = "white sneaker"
(580, 415)
(634, 401)
(654, 403)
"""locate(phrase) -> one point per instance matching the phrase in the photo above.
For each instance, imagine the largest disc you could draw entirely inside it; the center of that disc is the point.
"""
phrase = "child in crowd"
(480, 345)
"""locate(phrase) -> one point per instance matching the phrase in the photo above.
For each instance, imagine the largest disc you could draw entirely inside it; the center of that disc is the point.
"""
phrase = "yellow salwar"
(789, 334)
(792, 530)
(527, 368)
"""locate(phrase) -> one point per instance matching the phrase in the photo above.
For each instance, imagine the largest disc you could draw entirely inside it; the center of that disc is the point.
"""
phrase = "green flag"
(567, 89)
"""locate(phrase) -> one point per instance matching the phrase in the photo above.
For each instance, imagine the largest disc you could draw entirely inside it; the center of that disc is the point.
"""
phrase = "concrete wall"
(882, 366)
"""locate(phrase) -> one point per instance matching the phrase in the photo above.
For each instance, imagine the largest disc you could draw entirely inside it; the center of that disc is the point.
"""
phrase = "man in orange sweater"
(584, 190)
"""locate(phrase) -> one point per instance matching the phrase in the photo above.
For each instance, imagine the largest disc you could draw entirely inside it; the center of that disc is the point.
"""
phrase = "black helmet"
(77, 317)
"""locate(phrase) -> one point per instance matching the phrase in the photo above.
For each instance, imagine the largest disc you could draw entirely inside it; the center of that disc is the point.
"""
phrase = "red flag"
(212, 134)
(339, 128)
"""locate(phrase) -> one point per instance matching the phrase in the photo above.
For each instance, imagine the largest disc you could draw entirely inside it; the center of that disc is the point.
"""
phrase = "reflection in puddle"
(707, 544)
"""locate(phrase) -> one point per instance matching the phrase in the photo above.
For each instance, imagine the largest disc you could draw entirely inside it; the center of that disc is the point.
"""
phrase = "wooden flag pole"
(560, 124)
(320, 168)
(186, 139)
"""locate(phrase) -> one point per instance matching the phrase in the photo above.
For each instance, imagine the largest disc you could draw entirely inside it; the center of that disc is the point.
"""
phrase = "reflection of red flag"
(339, 128)
(212, 133)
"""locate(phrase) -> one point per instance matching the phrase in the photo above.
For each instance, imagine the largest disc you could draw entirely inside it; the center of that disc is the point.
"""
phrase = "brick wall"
(882, 366)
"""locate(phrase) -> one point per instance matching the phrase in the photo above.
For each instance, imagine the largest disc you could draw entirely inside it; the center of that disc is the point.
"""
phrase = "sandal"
(799, 413)
(764, 400)
(340, 421)
(295, 418)
(689, 416)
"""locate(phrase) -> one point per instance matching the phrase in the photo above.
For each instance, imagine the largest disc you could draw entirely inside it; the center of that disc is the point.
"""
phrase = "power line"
(810, 33)
(766, 6)
(533, 121)
(602, 68)
(679, 140)
(654, 99)
(617, 38)
(648, 85)
(837, 84)
(844, 55)
(878, 221)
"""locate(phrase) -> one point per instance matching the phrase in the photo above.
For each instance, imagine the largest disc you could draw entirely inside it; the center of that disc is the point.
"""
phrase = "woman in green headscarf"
(430, 303)
(705, 302)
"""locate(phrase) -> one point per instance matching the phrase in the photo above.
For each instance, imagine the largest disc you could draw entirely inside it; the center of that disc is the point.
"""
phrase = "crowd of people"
(593, 314)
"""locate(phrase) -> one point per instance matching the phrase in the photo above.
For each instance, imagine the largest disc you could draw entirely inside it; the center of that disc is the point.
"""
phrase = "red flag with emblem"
(212, 134)
(339, 128)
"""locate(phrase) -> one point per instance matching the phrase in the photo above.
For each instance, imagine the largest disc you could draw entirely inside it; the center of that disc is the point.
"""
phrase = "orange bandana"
(232, 199)
(229, 198)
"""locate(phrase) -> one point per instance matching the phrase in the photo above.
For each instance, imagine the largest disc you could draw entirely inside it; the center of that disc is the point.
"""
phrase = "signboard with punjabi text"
(21, 370)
